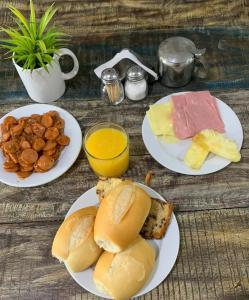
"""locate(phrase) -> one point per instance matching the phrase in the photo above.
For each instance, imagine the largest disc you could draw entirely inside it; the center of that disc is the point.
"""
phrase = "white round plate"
(167, 248)
(67, 157)
(171, 155)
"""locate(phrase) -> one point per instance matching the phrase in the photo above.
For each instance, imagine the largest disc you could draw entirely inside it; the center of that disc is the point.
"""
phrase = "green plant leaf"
(42, 46)
(32, 44)
(19, 16)
(32, 21)
(46, 18)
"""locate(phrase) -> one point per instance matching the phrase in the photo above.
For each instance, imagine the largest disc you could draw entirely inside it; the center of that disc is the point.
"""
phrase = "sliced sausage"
(63, 140)
(52, 133)
(28, 129)
(9, 121)
(36, 117)
(38, 129)
(11, 146)
(45, 162)
(47, 120)
(49, 145)
(16, 130)
(24, 144)
(5, 136)
(14, 157)
(38, 144)
(29, 156)
(59, 123)
(50, 152)
(23, 174)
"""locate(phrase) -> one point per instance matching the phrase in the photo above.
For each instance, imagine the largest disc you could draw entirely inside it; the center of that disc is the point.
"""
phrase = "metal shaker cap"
(135, 73)
(177, 50)
(109, 75)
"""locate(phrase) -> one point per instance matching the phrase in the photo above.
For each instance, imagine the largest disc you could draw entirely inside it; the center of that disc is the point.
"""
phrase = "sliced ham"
(194, 112)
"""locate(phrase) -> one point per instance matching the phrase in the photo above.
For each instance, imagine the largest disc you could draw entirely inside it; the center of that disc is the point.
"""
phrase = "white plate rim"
(53, 173)
(158, 275)
(210, 166)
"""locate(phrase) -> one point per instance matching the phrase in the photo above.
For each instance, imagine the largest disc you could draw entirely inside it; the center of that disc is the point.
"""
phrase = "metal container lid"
(109, 75)
(135, 73)
(177, 50)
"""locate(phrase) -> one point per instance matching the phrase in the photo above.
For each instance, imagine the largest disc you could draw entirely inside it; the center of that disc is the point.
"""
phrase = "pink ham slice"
(194, 112)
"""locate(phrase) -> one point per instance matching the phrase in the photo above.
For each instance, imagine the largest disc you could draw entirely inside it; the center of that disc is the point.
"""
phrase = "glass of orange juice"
(107, 149)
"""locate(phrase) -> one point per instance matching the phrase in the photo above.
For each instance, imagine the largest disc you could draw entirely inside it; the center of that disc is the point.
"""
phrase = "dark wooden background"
(212, 210)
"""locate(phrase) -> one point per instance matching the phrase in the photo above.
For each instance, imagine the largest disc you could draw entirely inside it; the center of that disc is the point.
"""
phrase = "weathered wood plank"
(213, 261)
(227, 56)
(225, 189)
(86, 17)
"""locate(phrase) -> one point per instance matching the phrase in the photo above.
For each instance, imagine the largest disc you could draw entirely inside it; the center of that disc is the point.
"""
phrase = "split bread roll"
(74, 243)
(121, 216)
(123, 274)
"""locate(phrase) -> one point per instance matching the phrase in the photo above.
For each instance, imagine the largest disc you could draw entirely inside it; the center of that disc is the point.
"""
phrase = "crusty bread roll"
(121, 216)
(123, 274)
(74, 243)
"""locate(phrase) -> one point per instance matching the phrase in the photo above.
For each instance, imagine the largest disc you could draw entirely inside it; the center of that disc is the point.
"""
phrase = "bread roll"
(121, 216)
(74, 243)
(123, 274)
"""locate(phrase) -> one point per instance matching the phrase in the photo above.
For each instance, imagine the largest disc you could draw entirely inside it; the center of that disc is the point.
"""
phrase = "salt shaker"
(112, 89)
(136, 87)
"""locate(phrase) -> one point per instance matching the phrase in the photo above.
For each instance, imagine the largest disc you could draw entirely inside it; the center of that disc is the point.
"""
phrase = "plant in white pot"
(35, 51)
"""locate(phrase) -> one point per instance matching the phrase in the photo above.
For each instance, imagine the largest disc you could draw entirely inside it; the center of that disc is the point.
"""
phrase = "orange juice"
(107, 149)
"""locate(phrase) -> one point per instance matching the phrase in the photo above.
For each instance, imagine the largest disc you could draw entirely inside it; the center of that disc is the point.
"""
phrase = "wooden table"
(212, 210)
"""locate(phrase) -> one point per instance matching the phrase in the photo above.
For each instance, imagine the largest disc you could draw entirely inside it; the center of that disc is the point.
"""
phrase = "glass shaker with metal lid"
(178, 59)
(136, 87)
(111, 89)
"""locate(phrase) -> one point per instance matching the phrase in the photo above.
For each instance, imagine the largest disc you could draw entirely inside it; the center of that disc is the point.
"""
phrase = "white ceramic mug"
(43, 86)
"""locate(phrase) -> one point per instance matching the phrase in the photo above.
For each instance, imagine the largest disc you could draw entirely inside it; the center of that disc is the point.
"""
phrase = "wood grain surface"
(212, 210)
(227, 56)
(86, 17)
(213, 260)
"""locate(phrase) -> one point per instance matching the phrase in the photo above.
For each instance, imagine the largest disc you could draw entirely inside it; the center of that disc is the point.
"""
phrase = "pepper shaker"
(111, 89)
(136, 87)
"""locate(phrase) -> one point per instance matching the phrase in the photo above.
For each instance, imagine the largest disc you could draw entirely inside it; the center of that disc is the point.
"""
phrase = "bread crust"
(123, 274)
(74, 243)
(115, 236)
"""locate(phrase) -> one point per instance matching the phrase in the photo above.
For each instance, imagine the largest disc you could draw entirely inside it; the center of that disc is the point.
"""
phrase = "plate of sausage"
(38, 143)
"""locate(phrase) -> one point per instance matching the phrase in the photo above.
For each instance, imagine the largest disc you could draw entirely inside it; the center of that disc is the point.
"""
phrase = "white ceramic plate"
(171, 155)
(167, 248)
(67, 157)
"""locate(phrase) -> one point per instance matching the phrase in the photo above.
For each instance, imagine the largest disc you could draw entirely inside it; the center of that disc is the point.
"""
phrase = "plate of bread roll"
(119, 240)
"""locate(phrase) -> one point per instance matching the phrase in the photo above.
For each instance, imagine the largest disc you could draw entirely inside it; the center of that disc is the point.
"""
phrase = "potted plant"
(35, 50)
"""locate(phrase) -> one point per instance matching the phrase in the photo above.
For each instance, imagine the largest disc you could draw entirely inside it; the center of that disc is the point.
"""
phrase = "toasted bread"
(159, 216)
(158, 219)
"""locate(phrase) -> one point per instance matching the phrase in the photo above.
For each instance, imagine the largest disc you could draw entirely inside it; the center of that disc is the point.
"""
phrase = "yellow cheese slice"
(160, 118)
(218, 144)
(195, 156)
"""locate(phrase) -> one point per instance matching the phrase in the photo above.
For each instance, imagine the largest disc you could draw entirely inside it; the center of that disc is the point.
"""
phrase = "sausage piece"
(9, 121)
(45, 162)
(50, 152)
(38, 129)
(11, 146)
(16, 130)
(23, 174)
(29, 156)
(24, 144)
(49, 145)
(59, 123)
(38, 144)
(52, 133)
(47, 120)
(63, 140)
